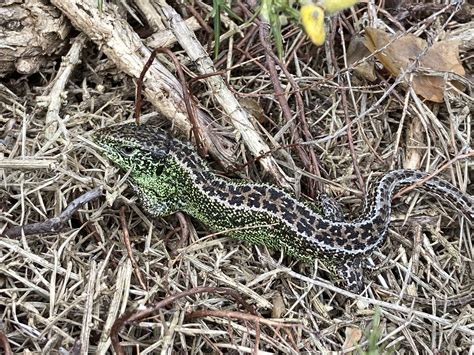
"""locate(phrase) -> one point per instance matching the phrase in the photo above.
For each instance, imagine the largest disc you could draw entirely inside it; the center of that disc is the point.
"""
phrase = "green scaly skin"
(169, 176)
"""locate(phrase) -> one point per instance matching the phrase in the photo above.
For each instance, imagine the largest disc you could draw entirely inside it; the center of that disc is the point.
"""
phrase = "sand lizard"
(168, 176)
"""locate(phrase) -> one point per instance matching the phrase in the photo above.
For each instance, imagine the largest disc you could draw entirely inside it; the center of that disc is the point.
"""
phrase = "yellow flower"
(332, 6)
(312, 18)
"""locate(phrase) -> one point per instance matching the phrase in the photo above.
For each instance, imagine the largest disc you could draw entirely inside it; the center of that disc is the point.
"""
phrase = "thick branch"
(125, 48)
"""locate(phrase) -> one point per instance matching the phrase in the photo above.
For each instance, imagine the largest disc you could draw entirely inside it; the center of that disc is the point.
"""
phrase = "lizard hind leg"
(350, 275)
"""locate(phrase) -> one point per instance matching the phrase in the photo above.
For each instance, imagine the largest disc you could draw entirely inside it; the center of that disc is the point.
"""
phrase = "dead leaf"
(353, 336)
(441, 57)
(356, 51)
(253, 107)
(278, 306)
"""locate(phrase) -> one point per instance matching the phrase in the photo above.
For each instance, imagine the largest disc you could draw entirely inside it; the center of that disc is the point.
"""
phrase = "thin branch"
(460, 156)
(126, 241)
(137, 315)
(241, 316)
(56, 224)
(4, 344)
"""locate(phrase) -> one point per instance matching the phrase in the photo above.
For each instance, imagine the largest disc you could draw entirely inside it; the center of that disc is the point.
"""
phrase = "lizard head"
(142, 150)
(159, 165)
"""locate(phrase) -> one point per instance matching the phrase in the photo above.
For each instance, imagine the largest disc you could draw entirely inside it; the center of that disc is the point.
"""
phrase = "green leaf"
(275, 25)
(231, 13)
(216, 5)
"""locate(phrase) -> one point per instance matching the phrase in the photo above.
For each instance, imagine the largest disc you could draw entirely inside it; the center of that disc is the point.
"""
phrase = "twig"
(126, 241)
(253, 160)
(4, 344)
(188, 102)
(199, 19)
(459, 156)
(279, 93)
(184, 229)
(350, 141)
(136, 315)
(348, 121)
(27, 164)
(55, 96)
(311, 163)
(56, 224)
(88, 307)
(76, 348)
(165, 38)
(239, 315)
(455, 301)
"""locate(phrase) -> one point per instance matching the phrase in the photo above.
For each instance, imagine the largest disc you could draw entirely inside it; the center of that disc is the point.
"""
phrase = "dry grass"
(62, 287)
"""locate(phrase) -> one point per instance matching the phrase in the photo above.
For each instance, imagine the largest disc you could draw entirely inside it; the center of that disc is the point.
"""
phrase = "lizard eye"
(127, 150)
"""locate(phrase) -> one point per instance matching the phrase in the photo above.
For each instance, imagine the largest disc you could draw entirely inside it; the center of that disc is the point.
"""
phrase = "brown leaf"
(356, 51)
(253, 107)
(441, 57)
(278, 306)
(353, 336)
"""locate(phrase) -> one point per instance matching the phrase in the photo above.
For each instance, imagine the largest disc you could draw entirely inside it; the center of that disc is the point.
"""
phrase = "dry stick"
(350, 140)
(76, 348)
(205, 76)
(155, 23)
(166, 38)
(256, 159)
(54, 98)
(187, 96)
(27, 164)
(247, 46)
(239, 315)
(279, 93)
(135, 315)
(88, 306)
(199, 19)
(455, 301)
(8, 126)
(212, 345)
(126, 241)
(184, 229)
(257, 335)
(56, 224)
(138, 92)
(245, 41)
(459, 156)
